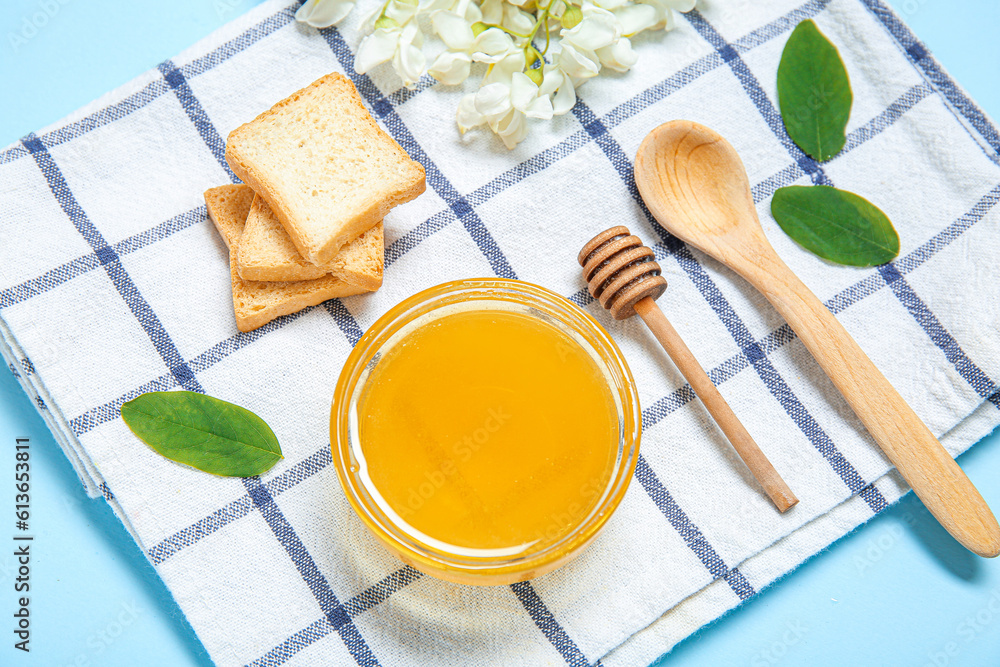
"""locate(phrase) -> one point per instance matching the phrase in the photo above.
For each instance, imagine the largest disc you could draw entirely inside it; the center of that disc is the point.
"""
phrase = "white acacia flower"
(451, 67)
(323, 13)
(559, 87)
(517, 21)
(455, 29)
(577, 41)
(579, 65)
(429, 6)
(665, 9)
(492, 11)
(399, 44)
(492, 46)
(597, 29)
(376, 48)
(401, 11)
(636, 17)
(505, 104)
(595, 41)
(504, 69)
(618, 56)
(409, 60)
(611, 5)
(467, 117)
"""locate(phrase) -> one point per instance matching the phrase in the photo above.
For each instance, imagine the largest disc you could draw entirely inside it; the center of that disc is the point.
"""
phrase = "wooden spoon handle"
(932, 473)
(756, 461)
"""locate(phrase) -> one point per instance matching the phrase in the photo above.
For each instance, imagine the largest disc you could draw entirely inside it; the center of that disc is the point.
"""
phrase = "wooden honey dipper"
(623, 276)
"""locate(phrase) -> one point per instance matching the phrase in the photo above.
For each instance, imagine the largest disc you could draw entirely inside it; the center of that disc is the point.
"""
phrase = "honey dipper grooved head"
(620, 271)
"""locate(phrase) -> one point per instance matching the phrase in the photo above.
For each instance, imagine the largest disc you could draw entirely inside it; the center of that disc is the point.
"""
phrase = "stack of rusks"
(319, 176)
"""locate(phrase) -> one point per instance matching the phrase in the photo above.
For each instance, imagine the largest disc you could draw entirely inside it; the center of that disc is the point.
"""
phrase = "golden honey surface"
(487, 433)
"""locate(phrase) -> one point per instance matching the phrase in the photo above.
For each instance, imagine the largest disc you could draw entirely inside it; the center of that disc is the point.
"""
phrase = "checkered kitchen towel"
(113, 283)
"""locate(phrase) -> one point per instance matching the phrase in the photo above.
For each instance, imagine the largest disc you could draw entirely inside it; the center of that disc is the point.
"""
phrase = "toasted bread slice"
(255, 302)
(267, 253)
(324, 166)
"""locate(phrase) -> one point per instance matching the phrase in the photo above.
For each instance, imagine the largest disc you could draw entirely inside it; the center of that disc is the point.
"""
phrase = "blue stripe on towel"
(932, 326)
(109, 259)
(547, 623)
(775, 384)
(335, 613)
(756, 94)
(66, 272)
(192, 107)
(689, 532)
(315, 631)
(348, 325)
(155, 89)
(921, 59)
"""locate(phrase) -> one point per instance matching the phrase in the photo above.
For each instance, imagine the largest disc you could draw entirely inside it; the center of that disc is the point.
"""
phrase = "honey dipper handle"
(932, 473)
(774, 486)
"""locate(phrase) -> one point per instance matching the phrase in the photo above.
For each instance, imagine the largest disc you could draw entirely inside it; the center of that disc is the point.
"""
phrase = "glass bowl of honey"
(485, 430)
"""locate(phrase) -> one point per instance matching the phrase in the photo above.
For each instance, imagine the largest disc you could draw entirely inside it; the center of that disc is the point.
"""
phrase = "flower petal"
(619, 56)
(502, 71)
(409, 63)
(576, 64)
(522, 91)
(451, 68)
(491, 46)
(552, 79)
(493, 99)
(636, 18)
(401, 12)
(428, 6)
(454, 30)
(516, 20)
(564, 99)
(540, 107)
(492, 11)
(323, 13)
(598, 29)
(512, 128)
(376, 48)
(467, 117)
(610, 5)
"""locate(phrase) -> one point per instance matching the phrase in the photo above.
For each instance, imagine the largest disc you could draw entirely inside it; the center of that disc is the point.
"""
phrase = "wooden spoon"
(694, 184)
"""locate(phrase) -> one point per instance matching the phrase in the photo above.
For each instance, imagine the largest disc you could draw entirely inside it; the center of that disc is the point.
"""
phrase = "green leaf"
(203, 432)
(837, 225)
(814, 92)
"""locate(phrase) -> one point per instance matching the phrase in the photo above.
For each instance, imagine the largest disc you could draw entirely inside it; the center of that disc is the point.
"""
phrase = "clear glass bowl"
(481, 295)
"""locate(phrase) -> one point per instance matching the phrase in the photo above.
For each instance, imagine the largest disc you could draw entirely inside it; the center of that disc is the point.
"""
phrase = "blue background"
(898, 591)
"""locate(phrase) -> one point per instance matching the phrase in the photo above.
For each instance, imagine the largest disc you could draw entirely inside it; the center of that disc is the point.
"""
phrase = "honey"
(485, 430)
(487, 433)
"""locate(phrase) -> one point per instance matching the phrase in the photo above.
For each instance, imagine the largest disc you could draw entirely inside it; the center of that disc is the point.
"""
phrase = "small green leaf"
(814, 92)
(203, 432)
(837, 225)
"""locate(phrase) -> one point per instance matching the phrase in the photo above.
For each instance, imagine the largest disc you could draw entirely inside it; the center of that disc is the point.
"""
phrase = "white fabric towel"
(113, 283)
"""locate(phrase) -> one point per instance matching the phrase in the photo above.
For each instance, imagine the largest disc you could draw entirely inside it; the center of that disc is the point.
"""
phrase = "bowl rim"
(597, 342)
